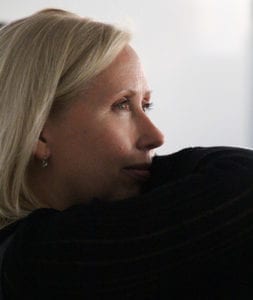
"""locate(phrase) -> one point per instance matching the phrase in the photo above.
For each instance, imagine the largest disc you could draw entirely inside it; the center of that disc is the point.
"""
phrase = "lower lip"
(138, 174)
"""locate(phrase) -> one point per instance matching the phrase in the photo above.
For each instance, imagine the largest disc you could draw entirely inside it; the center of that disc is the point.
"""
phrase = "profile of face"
(103, 144)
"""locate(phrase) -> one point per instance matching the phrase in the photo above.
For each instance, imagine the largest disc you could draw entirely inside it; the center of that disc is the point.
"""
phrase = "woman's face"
(103, 144)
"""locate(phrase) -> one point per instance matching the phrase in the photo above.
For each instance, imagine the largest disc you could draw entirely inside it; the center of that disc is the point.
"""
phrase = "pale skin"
(90, 146)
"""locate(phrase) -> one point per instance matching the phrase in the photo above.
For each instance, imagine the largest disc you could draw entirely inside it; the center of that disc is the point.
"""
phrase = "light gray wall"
(197, 56)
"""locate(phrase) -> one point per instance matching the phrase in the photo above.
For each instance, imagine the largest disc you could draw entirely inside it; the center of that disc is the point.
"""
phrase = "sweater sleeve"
(192, 228)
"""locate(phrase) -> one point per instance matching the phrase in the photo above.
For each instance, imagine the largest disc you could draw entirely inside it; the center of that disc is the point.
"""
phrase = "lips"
(139, 171)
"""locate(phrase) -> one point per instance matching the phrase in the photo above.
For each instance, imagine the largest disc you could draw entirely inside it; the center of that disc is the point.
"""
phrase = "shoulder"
(46, 255)
(229, 161)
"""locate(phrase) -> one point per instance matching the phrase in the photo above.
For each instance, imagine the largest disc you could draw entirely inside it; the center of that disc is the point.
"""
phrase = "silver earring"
(44, 162)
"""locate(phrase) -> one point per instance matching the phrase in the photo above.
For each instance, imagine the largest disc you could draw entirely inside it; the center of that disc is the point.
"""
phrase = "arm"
(198, 208)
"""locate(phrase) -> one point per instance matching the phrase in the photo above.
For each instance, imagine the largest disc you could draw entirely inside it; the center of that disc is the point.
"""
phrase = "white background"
(197, 57)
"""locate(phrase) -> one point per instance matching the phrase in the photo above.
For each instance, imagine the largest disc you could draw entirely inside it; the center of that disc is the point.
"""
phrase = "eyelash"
(126, 101)
(147, 106)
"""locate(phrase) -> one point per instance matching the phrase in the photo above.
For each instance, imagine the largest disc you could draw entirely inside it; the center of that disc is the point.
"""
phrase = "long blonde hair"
(46, 59)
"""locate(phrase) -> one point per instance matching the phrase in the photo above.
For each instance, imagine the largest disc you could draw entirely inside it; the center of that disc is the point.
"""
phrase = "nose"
(150, 136)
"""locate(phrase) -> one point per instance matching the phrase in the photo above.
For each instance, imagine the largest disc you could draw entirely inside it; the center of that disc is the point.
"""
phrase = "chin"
(124, 194)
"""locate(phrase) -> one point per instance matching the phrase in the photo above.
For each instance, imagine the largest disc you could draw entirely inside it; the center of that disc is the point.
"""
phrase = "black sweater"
(188, 236)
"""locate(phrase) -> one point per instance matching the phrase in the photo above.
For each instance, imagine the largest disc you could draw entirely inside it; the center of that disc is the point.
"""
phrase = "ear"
(41, 149)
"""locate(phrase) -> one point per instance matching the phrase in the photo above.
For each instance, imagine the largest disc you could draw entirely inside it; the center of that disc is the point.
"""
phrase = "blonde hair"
(46, 60)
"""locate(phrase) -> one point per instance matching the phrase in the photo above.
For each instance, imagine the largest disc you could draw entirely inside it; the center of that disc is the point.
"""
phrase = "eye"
(147, 106)
(123, 104)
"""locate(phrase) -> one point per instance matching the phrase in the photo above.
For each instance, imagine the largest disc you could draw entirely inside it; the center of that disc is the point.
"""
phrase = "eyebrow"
(133, 92)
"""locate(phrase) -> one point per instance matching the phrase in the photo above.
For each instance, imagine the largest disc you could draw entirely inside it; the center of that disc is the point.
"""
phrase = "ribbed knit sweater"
(189, 235)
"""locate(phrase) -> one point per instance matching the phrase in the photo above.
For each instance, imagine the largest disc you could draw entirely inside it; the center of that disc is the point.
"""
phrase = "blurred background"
(197, 55)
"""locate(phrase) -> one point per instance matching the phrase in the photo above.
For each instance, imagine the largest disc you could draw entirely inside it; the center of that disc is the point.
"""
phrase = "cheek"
(110, 137)
(118, 141)
(112, 149)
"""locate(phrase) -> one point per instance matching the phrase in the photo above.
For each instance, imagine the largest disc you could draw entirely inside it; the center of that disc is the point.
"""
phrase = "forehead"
(125, 72)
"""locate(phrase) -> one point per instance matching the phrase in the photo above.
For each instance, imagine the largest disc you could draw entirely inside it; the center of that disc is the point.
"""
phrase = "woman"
(85, 210)
(69, 104)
